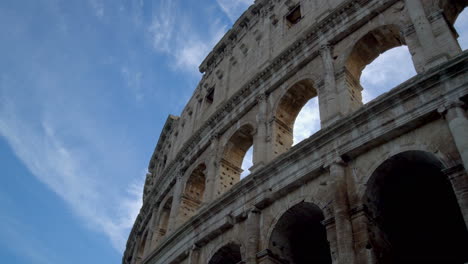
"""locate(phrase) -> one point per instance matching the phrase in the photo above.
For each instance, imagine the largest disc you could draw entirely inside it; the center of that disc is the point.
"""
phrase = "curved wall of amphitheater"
(382, 182)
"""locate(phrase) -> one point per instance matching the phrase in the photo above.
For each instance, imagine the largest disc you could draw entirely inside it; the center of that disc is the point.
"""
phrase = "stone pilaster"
(176, 198)
(459, 181)
(154, 227)
(365, 253)
(457, 121)
(330, 100)
(252, 236)
(194, 255)
(344, 231)
(432, 53)
(261, 136)
(212, 170)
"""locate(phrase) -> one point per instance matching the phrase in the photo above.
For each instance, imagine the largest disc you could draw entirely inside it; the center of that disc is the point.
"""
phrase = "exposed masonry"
(396, 165)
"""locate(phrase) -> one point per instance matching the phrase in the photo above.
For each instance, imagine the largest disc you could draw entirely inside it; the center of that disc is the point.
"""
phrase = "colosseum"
(380, 182)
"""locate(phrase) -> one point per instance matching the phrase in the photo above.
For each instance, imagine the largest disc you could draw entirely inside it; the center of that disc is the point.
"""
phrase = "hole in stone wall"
(381, 71)
(229, 254)
(289, 126)
(233, 158)
(411, 223)
(390, 69)
(461, 25)
(294, 16)
(299, 236)
(307, 121)
(247, 163)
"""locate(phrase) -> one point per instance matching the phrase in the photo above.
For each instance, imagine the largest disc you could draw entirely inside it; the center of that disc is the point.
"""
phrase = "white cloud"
(247, 163)
(179, 38)
(234, 8)
(98, 7)
(307, 121)
(73, 172)
(461, 25)
(385, 72)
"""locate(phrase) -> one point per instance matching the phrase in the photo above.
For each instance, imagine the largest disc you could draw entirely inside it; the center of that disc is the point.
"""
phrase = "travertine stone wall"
(332, 197)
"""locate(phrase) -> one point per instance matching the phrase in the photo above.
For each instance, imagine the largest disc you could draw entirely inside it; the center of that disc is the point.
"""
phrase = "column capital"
(336, 161)
(452, 109)
(325, 47)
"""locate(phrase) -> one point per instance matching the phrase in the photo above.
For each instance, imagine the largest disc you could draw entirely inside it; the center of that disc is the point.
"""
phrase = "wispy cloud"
(98, 7)
(180, 39)
(387, 71)
(73, 171)
(234, 8)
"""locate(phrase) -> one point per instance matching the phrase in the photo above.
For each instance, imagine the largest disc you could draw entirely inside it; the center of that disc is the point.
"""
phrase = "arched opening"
(234, 153)
(461, 27)
(192, 197)
(163, 223)
(141, 248)
(376, 64)
(229, 254)
(247, 163)
(287, 113)
(415, 214)
(299, 236)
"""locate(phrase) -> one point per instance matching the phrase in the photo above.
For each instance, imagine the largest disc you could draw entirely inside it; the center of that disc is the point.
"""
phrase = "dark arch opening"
(163, 222)
(229, 254)
(287, 112)
(234, 154)
(366, 57)
(415, 212)
(192, 197)
(299, 236)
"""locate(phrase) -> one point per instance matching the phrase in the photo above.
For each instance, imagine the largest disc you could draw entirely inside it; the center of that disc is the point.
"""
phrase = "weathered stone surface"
(384, 182)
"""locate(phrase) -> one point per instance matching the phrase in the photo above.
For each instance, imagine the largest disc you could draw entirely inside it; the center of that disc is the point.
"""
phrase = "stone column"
(260, 150)
(459, 180)
(176, 198)
(332, 107)
(365, 253)
(154, 227)
(457, 121)
(423, 28)
(344, 231)
(211, 171)
(252, 236)
(330, 228)
(194, 255)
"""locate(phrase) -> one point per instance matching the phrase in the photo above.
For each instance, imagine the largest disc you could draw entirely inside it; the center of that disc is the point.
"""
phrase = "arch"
(192, 195)
(229, 253)
(230, 167)
(141, 247)
(163, 220)
(366, 49)
(286, 111)
(414, 214)
(298, 237)
(451, 8)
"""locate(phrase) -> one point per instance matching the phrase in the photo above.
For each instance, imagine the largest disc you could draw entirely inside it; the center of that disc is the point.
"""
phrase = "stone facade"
(384, 182)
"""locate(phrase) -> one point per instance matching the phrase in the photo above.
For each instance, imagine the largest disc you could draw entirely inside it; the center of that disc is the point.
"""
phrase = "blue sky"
(85, 88)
